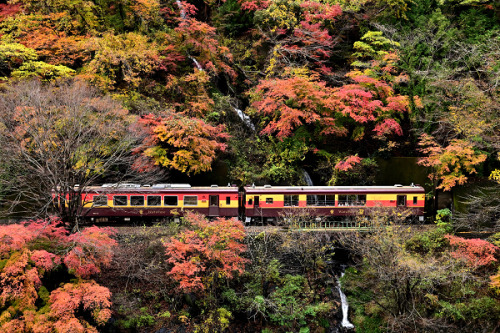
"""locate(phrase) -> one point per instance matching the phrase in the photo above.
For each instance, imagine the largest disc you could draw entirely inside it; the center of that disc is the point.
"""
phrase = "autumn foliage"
(368, 103)
(39, 254)
(452, 164)
(211, 251)
(348, 163)
(474, 252)
(179, 142)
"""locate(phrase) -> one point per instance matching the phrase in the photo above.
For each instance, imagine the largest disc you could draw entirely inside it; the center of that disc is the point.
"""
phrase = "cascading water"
(307, 178)
(181, 7)
(345, 307)
(196, 63)
(245, 118)
(309, 182)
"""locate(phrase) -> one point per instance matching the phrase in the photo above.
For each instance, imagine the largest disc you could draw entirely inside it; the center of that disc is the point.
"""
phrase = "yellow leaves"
(280, 14)
(14, 52)
(495, 176)
(374, 45)
(131, 55)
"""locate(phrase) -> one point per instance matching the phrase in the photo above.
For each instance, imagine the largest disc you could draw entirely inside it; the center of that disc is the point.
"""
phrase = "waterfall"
(197, 64)
(307, 178)
(345, 307)
(245, 118)
(181, 7)
(309, 182)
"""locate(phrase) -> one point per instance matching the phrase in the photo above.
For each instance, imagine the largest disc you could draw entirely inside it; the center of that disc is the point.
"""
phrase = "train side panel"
(274, 202)
(147, 203)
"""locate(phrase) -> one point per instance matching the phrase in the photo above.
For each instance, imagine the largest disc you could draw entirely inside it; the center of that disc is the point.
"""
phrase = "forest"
(263, 92)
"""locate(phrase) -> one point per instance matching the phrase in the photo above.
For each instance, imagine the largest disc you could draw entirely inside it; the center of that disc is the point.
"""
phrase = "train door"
(213, 207)
(256, 206)
(401, 201)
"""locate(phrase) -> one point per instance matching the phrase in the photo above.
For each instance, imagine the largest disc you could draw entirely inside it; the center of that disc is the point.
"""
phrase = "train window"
(190, 200)
(154, 200)
(120, 200)
(312, 200)
(170, 200)
(401, 200)
(291, 200)
(415, 200)
(321, 200)
(228, 200)
(269, 200)
(250, 201)
(100, 200)
(136, 200)
(352, 200)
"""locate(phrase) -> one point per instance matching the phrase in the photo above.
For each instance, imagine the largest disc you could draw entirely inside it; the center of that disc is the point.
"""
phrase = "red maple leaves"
(348, 163)
(31, 250)
(474, 252)
(209, 252)
(288, 103)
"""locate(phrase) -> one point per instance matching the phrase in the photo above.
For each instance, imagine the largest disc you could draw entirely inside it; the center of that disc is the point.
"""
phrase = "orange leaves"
(19, 282)
(474, 252)
(292, 102)
(34, 249)
(211, 251)
(176, 141)
(66, 301)
(450, 163)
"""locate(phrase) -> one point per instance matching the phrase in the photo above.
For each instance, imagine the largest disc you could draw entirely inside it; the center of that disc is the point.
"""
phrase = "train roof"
(156, 188)
(337, 189)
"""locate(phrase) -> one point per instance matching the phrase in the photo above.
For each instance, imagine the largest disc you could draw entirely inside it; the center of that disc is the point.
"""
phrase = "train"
(251, 204)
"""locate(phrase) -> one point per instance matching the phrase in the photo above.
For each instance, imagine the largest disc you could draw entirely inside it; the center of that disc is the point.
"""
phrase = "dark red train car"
(126, 202)
(267, 203)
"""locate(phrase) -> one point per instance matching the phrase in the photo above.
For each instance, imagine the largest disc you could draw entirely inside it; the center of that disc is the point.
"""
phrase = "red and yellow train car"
(126, 202)
(267, 203)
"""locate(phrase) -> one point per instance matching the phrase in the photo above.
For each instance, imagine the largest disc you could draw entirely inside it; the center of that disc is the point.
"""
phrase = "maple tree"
(190, 94)
(198, 41)
(452, 163)
(291, 102)
(300, 33)
(32, 256)
(206, 254)
(474, 252)
(348, 163)
(179, 142)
